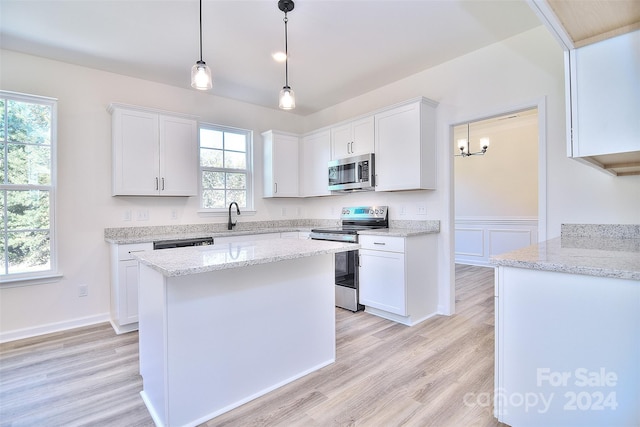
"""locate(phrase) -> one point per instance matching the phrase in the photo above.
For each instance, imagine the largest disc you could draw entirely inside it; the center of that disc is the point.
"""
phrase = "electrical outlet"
(403, 210)
(126, 215)
(174, 214)
(83, 290)
(284, 211)
(142, 215)
(422, 210)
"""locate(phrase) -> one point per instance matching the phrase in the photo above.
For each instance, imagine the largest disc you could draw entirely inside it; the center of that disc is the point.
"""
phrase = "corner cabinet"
(398, 277)
(352, 138)
(315, 154)
(405, 147)
(154, 153)
(280, 151)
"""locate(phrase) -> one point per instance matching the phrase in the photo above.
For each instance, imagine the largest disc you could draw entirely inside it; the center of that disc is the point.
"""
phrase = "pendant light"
(200, 72)
(287, 97)
(463, 144)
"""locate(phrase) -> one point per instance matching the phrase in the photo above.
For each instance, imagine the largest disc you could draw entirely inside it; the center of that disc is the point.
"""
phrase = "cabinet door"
(341, 141)
(363, 131)
(178, 156)
(314, 157)
(353, 138)
(405, 148)
(135, 153)
(128, 286)
(382, 281)
(280, 165)
(606, 96)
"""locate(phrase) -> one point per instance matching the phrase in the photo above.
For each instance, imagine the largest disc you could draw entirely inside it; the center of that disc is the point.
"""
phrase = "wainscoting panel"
(477, 239)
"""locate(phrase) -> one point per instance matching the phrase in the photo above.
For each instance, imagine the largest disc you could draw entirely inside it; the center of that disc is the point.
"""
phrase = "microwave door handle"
(359, 177)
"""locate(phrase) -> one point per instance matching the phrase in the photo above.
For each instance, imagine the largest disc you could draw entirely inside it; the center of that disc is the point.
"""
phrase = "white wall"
(85, 206)
(504, 182)
(518, 72)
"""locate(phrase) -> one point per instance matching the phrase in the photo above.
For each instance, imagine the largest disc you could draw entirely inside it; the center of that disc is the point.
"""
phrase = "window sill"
(29, 281)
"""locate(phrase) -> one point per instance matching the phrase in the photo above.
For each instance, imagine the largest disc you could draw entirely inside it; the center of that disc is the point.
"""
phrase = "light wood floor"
(438, 373)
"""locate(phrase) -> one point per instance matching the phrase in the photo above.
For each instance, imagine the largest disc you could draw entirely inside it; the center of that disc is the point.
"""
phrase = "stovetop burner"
(353, 220)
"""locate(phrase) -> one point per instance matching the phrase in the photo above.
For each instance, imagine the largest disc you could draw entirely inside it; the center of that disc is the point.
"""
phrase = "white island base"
(211, 341)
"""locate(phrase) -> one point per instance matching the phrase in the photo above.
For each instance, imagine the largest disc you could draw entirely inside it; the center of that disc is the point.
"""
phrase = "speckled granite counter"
(130, 235)
(594, 250)
(405, 229)
(202, 259)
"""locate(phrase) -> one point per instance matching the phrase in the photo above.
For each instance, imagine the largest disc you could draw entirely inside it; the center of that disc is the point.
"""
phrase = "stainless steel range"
(354, 219)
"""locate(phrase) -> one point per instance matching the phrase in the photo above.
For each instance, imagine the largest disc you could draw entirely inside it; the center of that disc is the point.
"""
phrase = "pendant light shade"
(287, 99)
(200, 72)
(287, 96)
(201, 76)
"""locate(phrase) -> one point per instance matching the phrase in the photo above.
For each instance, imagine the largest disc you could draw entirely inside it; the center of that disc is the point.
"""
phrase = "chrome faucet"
(230, 224)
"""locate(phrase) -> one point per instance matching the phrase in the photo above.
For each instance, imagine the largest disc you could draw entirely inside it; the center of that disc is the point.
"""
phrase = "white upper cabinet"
(280, 174)
(315, 153)
(601, 43)
(405, 147)
(605, 96)
(352, 138)
(154, 154)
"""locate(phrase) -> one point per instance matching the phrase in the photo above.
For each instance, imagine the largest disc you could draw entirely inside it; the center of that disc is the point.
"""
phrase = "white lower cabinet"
(382, 279)
(124, 286)
(398, 277)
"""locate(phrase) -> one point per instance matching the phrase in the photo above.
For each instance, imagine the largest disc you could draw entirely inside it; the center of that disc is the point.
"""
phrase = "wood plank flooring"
(438, 373)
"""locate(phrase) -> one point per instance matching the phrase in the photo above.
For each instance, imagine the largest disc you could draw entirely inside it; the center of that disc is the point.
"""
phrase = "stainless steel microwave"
(352, 173)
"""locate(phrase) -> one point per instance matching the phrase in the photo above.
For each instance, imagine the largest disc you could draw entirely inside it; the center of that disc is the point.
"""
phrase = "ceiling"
(338, 49)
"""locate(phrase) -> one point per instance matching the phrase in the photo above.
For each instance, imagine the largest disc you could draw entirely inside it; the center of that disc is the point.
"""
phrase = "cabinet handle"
(351, 147)
(162, 183)
(348, 152)
(156, 183)
(379, 243)
(276, 187)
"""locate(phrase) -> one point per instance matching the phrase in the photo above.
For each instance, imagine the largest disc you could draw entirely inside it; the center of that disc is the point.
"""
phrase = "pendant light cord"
(200, 30)
(286, 52)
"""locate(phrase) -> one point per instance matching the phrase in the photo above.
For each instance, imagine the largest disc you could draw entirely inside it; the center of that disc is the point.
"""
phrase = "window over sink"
(226, 167)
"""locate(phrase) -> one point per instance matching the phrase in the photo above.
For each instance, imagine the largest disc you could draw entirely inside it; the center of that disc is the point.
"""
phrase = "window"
(27, 159)
(225, 168)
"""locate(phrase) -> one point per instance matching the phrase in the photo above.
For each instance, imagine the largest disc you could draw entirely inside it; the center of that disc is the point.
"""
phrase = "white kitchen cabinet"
(353, 138)
(405, 146)
(604, 94)
(315, 154)
(382, 279)
(280, 166)
(570, 340)
(124, 286)
(398, 277)
(154, 153)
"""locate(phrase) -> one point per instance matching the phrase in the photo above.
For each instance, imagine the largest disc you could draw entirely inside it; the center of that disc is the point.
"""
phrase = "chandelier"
(465, 151)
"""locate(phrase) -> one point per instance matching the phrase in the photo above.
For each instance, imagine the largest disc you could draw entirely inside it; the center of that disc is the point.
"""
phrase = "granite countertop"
(202, 259)
(592, 255)
(167, 235)
(131, 235)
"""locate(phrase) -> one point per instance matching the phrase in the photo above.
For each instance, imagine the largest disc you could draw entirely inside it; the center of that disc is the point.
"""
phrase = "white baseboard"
(52, 327)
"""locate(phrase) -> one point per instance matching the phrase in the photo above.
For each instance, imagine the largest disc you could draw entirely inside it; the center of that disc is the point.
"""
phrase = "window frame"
(52, 273)
(250, 208)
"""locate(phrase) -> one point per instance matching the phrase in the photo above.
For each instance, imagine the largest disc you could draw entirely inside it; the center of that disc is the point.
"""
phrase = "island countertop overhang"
(203, 259)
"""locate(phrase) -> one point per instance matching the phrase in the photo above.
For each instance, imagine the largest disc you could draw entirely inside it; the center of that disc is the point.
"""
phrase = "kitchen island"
(221, 325)
(568, 330)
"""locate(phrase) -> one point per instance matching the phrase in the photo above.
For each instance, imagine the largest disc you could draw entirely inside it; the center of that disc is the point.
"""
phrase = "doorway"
(496, 180)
